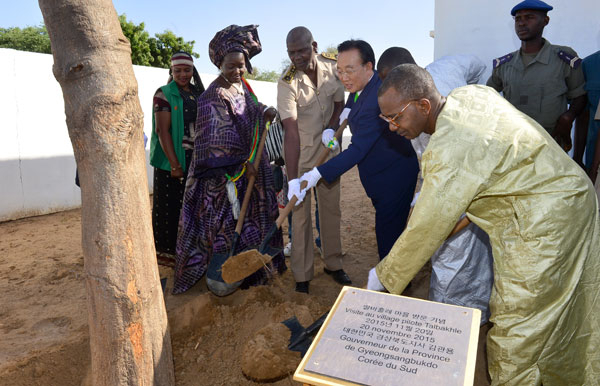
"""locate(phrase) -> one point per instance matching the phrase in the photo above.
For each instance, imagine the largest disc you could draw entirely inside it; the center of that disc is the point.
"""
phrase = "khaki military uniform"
(312, 107)
(542, 88)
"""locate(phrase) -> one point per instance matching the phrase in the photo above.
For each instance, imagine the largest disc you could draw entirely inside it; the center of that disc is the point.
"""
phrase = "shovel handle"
(252, 180)
(324, 154)
(338, 136)
(288, 208)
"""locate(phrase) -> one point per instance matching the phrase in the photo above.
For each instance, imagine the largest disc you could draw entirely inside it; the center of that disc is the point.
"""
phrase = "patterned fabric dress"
(224, 136)
(167, 191)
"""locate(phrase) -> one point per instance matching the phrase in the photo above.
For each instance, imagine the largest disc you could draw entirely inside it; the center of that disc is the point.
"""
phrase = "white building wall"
(486, 28)
(37, 167)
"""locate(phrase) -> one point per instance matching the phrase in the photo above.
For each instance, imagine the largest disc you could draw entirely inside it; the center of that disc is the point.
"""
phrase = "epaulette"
(289, 75)
(328, 55)
(503, 59)
(573, 61)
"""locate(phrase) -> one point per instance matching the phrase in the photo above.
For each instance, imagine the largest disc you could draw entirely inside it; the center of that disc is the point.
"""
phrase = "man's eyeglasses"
(349, 71)
(395, 117)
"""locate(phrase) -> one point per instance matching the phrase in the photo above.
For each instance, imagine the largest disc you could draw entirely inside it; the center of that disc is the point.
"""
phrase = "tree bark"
(129, 335)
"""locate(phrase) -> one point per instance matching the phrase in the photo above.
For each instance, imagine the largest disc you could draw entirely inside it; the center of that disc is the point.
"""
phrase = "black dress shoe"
(339, 276)
(302, 286)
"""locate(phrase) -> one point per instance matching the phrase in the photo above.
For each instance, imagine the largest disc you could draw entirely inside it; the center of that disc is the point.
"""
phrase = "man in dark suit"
(387, 163)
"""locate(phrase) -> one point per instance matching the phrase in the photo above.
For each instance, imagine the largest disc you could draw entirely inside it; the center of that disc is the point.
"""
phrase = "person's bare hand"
(562, 131)
(270, 114)
(177, 173)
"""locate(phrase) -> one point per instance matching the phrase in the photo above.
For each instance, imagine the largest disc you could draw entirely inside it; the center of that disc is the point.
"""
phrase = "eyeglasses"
(349, 71)
(395, 117)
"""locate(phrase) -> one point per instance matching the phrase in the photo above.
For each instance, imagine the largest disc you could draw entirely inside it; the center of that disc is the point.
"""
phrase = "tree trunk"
(129, 336)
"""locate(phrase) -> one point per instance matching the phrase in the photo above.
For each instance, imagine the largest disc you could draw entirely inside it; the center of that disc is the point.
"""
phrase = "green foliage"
(33, 39)
(164, 45)
(258, 74)
(145, 50)
(331, 50)
(285, 63)
(139, 41)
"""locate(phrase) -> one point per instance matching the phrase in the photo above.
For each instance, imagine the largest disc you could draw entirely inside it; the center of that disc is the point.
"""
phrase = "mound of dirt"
(266, 356)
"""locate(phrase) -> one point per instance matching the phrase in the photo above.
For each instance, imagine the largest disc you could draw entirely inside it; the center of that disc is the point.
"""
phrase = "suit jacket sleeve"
(367, 129)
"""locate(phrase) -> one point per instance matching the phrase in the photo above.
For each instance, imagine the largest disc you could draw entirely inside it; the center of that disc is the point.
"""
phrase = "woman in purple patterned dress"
(229, 116)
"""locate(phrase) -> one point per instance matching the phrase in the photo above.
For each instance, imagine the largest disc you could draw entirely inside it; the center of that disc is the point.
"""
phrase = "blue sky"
(383, 24)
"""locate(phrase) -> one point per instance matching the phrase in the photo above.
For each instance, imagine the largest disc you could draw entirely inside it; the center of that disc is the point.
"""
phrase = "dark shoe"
(339, 276)
(302, 286)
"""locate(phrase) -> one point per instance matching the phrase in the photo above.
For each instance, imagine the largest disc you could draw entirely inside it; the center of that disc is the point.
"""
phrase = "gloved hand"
(294, 190)
(344, 114)
(414, 201)
(373, 283)
(311, 177)
(329, 140)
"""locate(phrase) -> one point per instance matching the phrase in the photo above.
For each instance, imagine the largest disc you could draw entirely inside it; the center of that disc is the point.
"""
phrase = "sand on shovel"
(242, 265)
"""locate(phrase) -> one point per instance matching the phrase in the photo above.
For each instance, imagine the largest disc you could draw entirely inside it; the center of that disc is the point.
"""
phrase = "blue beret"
(536, 5)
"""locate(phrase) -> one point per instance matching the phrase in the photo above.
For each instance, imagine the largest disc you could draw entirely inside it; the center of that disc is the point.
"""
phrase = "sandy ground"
(43, 315)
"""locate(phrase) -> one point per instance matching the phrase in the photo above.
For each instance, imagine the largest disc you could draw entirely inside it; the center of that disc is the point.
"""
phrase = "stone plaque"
(374, 338)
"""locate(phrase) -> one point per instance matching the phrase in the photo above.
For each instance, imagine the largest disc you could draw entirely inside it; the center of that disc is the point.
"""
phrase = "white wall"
(486, 28)
(37, 167)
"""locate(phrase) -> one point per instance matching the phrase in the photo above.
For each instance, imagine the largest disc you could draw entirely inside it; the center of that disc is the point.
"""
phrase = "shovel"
(240, 266)
(214, 281)
(301, 337)
(301, 340)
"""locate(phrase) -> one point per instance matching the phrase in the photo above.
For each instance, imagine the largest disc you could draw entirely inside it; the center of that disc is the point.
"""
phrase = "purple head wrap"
(235, 39)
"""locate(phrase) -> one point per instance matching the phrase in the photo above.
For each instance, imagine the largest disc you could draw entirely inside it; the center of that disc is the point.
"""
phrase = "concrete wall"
(37, 167)
(486, 28)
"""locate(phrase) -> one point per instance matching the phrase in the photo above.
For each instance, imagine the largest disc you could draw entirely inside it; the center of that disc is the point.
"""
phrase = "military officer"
(541, 79)
(310, 99)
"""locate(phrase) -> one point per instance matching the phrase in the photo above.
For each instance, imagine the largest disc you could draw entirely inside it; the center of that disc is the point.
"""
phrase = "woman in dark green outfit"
(171, 149)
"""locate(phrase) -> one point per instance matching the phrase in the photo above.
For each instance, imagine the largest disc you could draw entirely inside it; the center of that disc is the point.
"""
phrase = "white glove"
(344, 114)
(414, 201)
(329, 140)
(373, 283)
(311, 177)
(294, 190)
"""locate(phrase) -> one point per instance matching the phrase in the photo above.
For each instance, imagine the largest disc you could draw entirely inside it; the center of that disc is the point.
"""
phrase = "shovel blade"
(214, 278)
(298, 332)
(244, 264)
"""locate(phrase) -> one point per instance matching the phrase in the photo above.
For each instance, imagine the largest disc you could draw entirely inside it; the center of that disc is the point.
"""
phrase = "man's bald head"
(391, 58)
(409, 100)
(409, 81)
(299, 35)
(302, 49)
